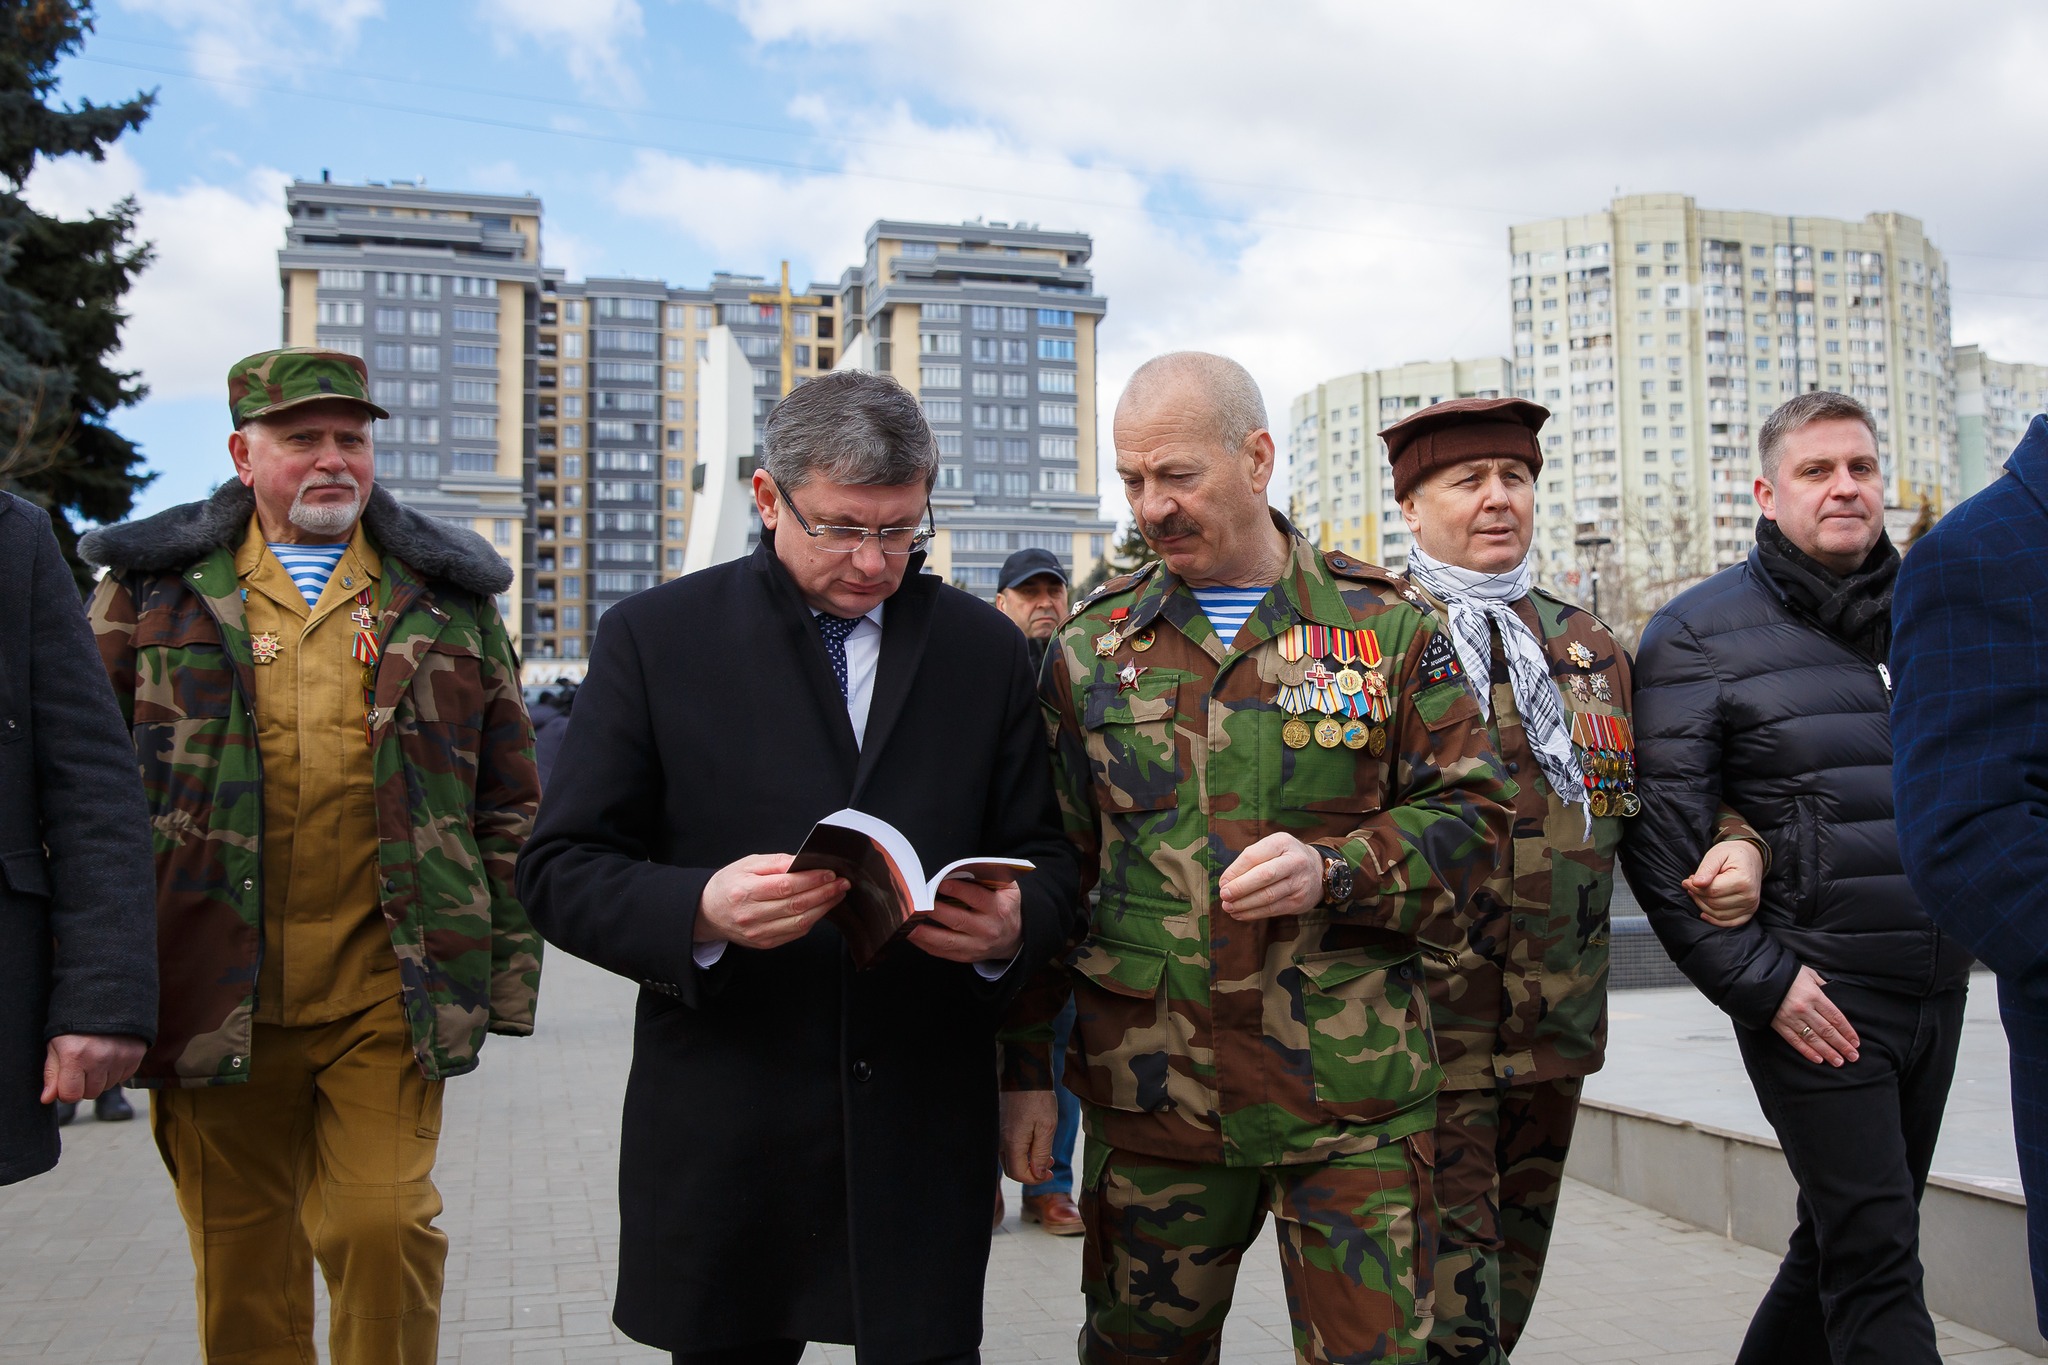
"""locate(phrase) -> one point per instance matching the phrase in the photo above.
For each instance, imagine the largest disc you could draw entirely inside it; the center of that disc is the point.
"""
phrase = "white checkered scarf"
(1476, 601)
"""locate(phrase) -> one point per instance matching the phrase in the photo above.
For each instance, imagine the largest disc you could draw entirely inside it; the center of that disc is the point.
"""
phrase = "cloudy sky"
(1313, 188)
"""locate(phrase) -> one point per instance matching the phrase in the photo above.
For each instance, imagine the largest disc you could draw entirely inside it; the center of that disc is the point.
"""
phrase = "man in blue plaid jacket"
(1970, 768)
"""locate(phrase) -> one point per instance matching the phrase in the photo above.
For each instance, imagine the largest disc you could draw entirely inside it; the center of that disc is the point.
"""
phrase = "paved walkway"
(93, 1265)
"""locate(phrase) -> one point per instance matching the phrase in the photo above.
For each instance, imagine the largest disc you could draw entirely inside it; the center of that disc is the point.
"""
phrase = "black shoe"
(113, 1107)
(66, 1111)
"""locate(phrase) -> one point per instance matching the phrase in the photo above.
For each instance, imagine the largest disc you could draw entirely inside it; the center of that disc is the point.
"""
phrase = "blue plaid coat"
(1970, 766)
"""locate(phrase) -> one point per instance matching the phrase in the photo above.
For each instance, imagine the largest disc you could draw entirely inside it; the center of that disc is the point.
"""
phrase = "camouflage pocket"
(1126, 1033)
(182, 670)
(1366, 1012)
(1130, 741)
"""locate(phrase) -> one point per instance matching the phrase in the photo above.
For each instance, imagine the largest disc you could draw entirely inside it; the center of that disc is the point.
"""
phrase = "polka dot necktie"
(835, 630)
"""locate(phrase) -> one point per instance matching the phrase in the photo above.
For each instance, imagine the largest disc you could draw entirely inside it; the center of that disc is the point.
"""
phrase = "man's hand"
(1729, 884)
(758, 902)
(973, 923)
(1029, 1120)
(1809, 1021)
(83, 1066)
(1278, 875)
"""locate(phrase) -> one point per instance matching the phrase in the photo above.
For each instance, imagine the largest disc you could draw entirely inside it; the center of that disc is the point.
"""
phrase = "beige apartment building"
(1995, 402)
(438, 292)
(1340, 487)
(1661, 334)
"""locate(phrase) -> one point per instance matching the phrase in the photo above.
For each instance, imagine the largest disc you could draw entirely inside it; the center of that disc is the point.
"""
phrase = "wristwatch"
(1338, 878)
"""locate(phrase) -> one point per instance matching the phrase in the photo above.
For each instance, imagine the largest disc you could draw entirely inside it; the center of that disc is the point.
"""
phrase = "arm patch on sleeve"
(1439, 661)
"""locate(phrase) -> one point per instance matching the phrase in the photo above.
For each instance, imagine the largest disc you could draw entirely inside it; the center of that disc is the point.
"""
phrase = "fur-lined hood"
(174, 539)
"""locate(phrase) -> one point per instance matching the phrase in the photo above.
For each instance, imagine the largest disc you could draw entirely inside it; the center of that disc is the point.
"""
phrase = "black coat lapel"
(789, 622)
(906, 620)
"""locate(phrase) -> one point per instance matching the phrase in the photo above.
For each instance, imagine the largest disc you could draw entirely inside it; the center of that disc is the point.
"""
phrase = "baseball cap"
(1029, 564)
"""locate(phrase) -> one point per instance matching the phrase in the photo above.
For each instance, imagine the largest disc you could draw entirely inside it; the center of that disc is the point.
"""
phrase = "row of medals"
(1611, 782)
(1331, 671)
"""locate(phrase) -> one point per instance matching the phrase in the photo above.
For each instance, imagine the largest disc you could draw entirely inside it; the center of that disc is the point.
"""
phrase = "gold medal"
(264, 646)
(1376, 742)
(1597, 803)
(1329, 733)
(1295, 734)
(1142, 641)
(1350, 681)
(1579, 655)
(1107, 643)
(1357, 735)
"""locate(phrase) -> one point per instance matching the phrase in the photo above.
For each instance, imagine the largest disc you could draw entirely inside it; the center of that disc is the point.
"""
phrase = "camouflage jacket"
(1518, 989)
(1294, 1039)
(455, 783)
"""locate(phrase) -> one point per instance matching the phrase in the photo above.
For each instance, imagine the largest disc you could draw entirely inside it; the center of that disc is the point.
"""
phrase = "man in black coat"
(78, 947)
(1765, 688)
(806, 1147)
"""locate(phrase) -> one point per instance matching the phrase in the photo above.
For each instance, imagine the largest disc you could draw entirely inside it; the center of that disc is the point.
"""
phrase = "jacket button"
(235, 1063)
(1514, 767)
(248, 883)
(863, 1072)
(1507, 1071)
(390, 886)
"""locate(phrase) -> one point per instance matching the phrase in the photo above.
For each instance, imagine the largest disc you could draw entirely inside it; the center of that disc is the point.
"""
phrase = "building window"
(348, 345)
(1056, 447)
(480, 357)
(949, 442)
(473, 426)
(475, 320)
(390, 321)
(341, 313)
(924, 251)
(388, 393)
(423, 393)
(1055, 480)
(1019, 352)
(390, 464)
(341, 279)
(1055, 317)
(942, 409)
(423, 464)
(941, 376)
(706, 319)
(1016, 320)
(1056, 381)
(984, 317)
(985, 481)
(938, 343)
(1016, 485)
(985, 416)
(423, 430)
(1055, 348)
(426, 357)
(986, 449)
(475, 462)
(1056, 414)
(949, 476)
(426, 287)
(1016, 385)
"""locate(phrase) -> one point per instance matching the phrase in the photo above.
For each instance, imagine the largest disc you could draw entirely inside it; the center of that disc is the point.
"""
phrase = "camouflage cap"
(272, 381)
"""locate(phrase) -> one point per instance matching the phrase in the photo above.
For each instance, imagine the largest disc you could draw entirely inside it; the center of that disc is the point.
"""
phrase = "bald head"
(1196, 382)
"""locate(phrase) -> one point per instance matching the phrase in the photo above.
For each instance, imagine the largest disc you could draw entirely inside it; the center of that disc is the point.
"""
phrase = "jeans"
(1062, 1181)
(1859, 1139)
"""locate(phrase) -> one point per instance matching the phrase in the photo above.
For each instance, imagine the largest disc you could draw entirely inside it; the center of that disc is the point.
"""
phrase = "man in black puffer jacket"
(1765, 687)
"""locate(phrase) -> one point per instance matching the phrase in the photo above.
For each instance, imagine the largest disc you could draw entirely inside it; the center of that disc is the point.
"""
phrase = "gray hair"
(851, 427)
(1822, 405)
(1232, 394)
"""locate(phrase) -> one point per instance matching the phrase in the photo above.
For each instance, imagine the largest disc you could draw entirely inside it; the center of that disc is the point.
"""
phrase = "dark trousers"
(783, 1353)
(2024, 1008)
(1859, 1139)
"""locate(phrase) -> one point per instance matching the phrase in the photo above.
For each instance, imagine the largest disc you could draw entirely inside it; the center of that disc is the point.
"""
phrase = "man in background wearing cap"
(1518, 987)
(339, 770)
(1032, 591)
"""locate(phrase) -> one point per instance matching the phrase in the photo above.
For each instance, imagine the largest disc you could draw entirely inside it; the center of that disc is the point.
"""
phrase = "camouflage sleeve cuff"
(1027, 1064)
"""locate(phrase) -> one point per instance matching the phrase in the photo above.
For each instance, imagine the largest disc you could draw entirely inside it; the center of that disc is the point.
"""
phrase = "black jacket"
(1741, 698)
(807, 1151)
(78, 906)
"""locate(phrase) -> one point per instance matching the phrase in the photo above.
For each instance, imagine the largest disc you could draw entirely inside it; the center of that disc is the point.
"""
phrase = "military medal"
(1357, 734)
(1329, 733)
(366, 652)
(1607, 745)
(1580, 691)
(1579, 654)
(1127, 678)
(1142, 641)
(1293, 644)
(1295, 734)
(1602, 689)
(264, 646)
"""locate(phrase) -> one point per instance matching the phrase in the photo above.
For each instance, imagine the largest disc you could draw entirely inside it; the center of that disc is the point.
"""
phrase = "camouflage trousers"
(1165, 1239)
(1499, 1164)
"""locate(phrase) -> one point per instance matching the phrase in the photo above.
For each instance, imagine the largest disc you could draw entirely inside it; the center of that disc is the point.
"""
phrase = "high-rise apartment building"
(616, 446)
(1340, 486)
(1995, 401)
(993, 326)
(438, 293)
(1661, 334)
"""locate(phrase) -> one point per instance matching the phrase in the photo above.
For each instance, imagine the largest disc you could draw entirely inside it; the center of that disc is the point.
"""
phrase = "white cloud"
(229, 40)
(591, 37)
(211, 294)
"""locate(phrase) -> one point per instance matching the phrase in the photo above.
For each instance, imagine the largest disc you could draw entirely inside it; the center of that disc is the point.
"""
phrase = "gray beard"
(324, 519)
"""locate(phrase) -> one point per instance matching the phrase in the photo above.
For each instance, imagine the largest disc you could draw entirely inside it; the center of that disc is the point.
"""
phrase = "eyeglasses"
(846, 540)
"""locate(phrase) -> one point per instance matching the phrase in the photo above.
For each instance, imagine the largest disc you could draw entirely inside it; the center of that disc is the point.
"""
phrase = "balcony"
(546, 379)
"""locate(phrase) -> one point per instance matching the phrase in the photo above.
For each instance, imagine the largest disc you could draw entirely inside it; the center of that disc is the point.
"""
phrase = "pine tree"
(61, 283)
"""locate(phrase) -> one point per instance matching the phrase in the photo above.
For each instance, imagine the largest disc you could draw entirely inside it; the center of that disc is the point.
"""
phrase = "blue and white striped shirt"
(309, 565)
(1229, 608)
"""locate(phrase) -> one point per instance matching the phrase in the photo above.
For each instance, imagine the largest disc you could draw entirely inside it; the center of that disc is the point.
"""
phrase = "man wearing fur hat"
(326, 711)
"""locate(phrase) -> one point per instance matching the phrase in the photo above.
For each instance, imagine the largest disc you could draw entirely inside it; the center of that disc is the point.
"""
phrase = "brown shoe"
(999, 1208)
(1056, 1212)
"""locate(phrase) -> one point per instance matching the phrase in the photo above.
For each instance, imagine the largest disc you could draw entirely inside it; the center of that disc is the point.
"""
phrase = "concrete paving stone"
(531, 1212)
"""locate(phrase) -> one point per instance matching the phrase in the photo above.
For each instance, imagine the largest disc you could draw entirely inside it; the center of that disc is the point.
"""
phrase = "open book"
(890, 892)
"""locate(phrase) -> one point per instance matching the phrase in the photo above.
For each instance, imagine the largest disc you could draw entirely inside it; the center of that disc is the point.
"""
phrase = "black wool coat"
(806, 1152)
(1741, 697)
(78, 901)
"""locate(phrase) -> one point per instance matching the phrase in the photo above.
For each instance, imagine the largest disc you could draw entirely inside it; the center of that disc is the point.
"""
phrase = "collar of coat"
(1309, 591)
(173, 540)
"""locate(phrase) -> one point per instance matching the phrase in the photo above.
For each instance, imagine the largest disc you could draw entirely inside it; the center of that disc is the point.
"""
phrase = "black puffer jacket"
(1741, 697)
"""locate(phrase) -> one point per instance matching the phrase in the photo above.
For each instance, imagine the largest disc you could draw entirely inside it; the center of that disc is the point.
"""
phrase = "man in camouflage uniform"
(326, 709)
(1252, 1030)
(1518, 988)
